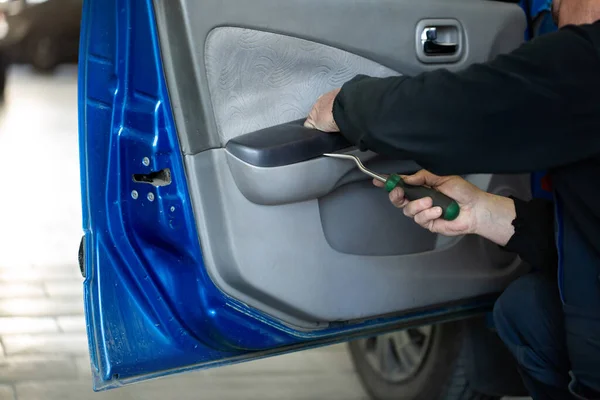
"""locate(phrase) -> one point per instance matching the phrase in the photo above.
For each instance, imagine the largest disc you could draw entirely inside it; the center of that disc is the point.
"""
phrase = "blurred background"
(43, 345)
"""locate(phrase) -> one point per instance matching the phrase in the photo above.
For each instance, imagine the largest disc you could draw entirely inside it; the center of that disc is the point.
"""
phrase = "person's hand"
(468, 196)
(321, 115)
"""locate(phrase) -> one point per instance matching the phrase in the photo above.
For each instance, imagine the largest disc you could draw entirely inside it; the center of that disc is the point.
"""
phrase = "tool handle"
(450, 208)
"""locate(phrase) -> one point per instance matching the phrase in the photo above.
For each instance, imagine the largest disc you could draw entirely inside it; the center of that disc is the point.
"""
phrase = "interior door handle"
(432, 46)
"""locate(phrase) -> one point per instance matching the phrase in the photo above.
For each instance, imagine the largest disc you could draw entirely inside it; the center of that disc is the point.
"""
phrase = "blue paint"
(538, 6)
(151, 308)
(534, 9)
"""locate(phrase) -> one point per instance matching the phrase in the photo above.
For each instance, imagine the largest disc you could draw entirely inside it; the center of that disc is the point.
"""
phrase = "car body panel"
(187, 272)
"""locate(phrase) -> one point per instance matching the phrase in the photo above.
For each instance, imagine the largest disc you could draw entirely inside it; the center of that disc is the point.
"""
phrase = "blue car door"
(215, 232)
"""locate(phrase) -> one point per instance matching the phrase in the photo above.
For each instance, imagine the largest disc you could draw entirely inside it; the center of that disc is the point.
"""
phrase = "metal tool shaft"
(450, 208)
(360, 165)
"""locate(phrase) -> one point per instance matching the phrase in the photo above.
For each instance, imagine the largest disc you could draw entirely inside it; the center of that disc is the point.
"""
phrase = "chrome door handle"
(433, 47)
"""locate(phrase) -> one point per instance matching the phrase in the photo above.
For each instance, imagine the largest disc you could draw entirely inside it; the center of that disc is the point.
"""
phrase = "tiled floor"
(43, 349)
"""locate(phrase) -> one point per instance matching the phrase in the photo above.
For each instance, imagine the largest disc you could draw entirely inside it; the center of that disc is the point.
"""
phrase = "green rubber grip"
(450, 208)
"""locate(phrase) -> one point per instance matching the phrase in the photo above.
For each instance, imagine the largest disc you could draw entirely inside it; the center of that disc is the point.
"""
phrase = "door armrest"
(284, 144)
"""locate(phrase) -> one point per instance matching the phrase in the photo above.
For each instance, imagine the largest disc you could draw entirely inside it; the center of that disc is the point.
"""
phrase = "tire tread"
(452, 376)
(458, 387)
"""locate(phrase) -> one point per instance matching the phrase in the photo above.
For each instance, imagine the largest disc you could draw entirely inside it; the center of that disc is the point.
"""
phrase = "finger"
(378, 183)
(397, 198)
(427, 216)
(333, 128)
(441, 226)
(309, 124)
(312, 118)
(424, 177)
(417, 206)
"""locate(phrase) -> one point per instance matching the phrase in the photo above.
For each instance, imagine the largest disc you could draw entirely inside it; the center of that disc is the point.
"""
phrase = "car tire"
(43, 53)
(439, 375)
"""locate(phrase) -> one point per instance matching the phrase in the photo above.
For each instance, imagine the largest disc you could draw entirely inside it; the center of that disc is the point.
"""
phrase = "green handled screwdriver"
(450, 208)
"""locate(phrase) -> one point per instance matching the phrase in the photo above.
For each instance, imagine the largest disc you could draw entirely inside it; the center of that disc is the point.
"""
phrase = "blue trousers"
(556, 345)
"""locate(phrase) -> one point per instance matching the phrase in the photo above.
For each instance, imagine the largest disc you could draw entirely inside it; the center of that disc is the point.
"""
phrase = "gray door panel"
(280, 259)
(314, 242)
(255, 81)
(383, 31)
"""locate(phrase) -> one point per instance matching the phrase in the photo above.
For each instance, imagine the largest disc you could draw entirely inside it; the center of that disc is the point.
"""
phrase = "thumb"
(424, 177)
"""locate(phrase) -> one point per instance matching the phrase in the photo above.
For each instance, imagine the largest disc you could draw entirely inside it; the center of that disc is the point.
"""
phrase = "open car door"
(215, 232)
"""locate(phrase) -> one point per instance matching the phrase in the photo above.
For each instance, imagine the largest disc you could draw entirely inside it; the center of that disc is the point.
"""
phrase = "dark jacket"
(537, 108)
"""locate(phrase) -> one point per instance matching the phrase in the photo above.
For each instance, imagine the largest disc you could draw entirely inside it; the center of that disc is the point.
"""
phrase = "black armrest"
(284, 144)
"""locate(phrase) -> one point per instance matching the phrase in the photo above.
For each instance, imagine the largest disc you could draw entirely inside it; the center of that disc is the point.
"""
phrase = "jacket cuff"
(533, 239)
(344, 121)
(518, 241)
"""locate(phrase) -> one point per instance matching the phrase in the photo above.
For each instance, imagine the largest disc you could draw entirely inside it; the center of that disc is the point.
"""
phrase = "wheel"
(43, 53)
(422, 363)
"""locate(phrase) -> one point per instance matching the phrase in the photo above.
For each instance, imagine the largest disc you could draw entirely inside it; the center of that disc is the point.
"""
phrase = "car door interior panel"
(289, 183)
(215, 230)
(282, 229)
(284, 144)
(260, 79)
(280, 253)
(364, 36)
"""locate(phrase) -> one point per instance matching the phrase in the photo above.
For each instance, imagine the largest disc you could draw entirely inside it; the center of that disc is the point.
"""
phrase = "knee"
(527, 307)
(528, 318)
(519, 303)
(506, 311)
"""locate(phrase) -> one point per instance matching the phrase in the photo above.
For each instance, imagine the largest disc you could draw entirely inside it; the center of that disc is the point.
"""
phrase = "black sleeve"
(533, 109)
(533, 239)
